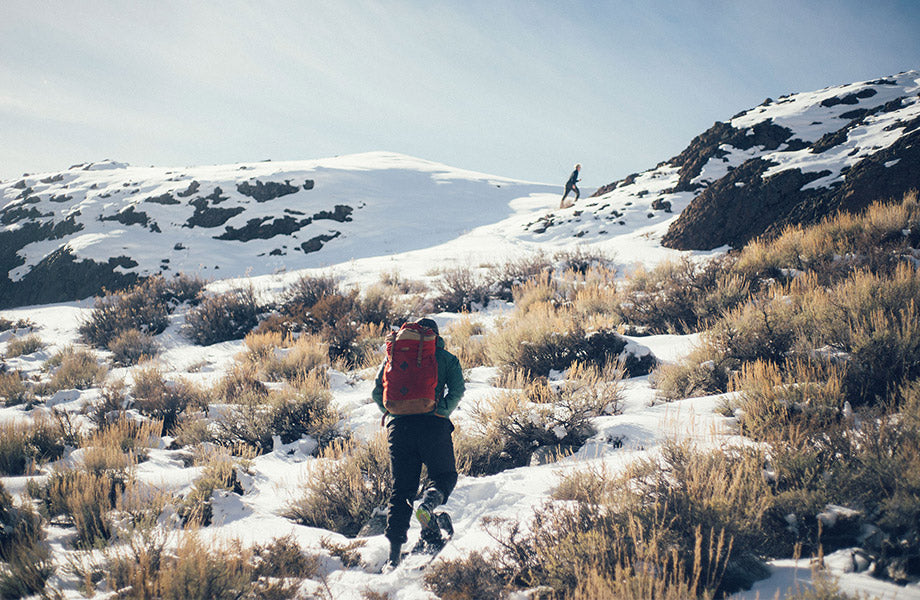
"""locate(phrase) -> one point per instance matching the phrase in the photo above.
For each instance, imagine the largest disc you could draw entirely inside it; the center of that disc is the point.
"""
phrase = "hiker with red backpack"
(417, 388)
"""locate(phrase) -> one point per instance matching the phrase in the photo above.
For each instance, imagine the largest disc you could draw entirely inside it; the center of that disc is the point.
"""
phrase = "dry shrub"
(393, 280)
(131, 346)
(803, 395)
(120, 445)
(193, 571)
(308, 290)
(542, 289)
(467, 342)
(144, 307)
(687, 526)
(542, 340)
(192, 429)
(25, 446)
(460, 290)
(703, 372)
(86, 499)
(680, 296)
(349, 480)
(350, 326)
(347, 552)
(6, 324)
(21, 346)
(87, 493)
(873, 239)
(74, 368)
(284, 558)
(507, 430)
(874, 320)
(582, 260)
(111, 405)
(25, 559)
(481, 452)
(14, 390)
(163, 400)
(219, 473)
(239, 383)
(504, 278)
(222, 317)
(301, 409)
(468, 578)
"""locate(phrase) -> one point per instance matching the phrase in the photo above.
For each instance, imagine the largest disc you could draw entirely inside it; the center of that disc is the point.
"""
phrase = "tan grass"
(348, 482)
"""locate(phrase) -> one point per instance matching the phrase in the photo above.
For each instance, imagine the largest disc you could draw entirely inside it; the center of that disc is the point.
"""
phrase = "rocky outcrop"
(745, 204)
(263, 192)
(840, 152)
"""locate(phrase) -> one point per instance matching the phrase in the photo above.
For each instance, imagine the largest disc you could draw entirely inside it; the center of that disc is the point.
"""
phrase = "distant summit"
(791, 160)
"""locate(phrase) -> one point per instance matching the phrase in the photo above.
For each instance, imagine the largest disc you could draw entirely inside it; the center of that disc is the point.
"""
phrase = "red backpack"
(411, 374)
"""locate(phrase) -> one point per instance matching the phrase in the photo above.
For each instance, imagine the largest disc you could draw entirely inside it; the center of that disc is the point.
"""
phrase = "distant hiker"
(570, 186)
(418, 386)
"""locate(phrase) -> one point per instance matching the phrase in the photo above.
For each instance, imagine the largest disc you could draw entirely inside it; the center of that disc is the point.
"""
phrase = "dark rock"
(308, 184)
(661, 204)
(59, 277)
(210, 216)
(858, 113)
(162, 199)
(849, 98)
(315, 244)
(215, 197)
(191, 189)
(60, 198)
(20, 185)
(263, 230)
(724, 213)
(129, 216)
(604, 189)
(17, 213)
(341, 214)
(708, 145)
(53, 178)
(263, 192)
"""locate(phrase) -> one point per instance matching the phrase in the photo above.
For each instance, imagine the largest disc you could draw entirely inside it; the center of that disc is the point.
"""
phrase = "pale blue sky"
(520, 89)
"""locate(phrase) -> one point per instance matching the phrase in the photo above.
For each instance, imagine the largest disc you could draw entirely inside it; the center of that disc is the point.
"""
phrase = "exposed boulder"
(263, 192)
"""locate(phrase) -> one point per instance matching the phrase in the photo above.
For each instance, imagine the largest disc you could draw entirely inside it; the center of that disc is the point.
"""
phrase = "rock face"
(789, 161)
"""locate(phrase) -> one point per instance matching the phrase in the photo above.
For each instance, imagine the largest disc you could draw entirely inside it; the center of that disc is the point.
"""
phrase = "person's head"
(429, 323)
(578, 167)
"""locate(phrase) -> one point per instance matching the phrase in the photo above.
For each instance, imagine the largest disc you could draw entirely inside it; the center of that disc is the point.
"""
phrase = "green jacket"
(450, 376)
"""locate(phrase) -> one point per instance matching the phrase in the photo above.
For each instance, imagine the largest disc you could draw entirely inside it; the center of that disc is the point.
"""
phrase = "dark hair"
(429, 323)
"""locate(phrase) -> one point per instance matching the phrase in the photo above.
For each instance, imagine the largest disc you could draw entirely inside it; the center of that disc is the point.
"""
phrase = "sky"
(521, 89)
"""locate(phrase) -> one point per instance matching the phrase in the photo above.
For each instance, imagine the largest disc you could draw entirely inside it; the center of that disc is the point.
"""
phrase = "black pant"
(414, 440)
(568, 189)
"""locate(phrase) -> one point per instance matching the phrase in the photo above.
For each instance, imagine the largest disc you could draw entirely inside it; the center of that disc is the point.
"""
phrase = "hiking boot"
(425, 511)
(426, 517)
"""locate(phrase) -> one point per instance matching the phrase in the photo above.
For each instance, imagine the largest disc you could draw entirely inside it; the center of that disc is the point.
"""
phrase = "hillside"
(65, 236)
(791, 160)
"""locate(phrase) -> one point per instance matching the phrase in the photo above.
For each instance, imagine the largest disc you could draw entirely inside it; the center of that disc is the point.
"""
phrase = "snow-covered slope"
(109, 220)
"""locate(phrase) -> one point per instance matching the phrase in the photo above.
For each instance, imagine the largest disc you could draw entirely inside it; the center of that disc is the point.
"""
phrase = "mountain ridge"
(790, 161)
